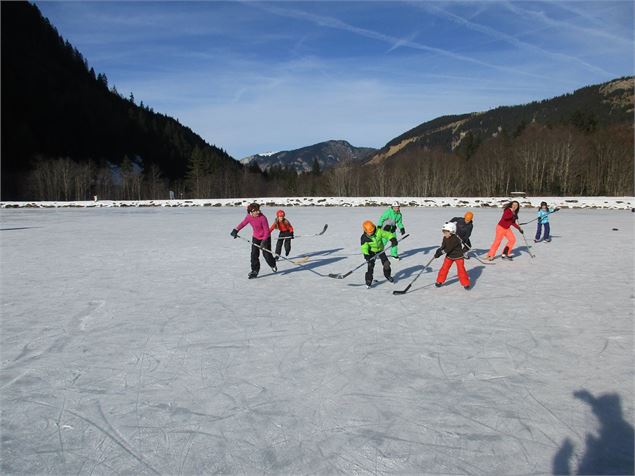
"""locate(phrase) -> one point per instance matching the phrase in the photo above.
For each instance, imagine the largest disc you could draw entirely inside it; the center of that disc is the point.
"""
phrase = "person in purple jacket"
(261, 237)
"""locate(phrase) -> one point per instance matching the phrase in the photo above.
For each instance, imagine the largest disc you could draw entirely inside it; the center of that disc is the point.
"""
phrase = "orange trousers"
(500, 234)
(460, 268)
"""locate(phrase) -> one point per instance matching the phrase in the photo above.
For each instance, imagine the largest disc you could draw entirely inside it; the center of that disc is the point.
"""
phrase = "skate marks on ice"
(104, 426)
(610, 452)
(32, 350)
(19, 228)
(325, 383)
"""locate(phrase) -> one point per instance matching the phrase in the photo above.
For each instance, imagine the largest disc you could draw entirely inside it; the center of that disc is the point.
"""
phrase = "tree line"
(541, 160)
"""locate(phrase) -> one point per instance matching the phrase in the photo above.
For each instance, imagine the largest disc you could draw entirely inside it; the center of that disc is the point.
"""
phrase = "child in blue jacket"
(543, 221)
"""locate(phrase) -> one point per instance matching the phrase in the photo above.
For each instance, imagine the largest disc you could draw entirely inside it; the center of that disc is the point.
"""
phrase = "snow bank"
(614, 203)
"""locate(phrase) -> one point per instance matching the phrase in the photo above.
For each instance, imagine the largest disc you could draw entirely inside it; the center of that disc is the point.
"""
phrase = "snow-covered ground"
(132, 343)
(613, 203)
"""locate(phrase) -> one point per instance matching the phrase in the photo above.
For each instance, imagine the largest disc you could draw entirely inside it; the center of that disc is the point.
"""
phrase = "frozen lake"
(132, 342)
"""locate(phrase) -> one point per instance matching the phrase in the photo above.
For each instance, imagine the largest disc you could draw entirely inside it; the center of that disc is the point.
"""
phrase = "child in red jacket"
(286, 233)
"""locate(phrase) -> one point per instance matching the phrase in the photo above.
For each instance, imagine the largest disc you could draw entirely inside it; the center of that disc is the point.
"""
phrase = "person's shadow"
(611, 452)
(414, 251)
(474, 273)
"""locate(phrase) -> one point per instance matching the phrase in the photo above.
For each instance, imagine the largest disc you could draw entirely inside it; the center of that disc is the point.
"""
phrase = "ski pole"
(344, 275)
(416, 277)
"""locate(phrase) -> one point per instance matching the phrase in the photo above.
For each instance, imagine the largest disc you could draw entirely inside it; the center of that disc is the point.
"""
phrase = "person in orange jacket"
(286, 233)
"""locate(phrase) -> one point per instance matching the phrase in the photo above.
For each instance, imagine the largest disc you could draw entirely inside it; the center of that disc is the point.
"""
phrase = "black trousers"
(255, 254)
(280, 242)
(371, 267)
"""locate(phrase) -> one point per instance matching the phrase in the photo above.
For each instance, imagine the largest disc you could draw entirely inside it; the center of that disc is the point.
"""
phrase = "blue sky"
(266, 76)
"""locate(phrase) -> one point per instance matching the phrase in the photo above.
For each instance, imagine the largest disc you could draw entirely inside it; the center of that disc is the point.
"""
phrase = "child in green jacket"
(373, 241)
(389, 221)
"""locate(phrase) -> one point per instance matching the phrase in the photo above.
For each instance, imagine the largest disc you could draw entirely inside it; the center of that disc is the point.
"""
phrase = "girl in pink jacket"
(261, 237)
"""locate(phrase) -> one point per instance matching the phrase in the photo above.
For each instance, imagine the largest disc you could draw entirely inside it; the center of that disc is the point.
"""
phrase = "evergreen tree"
(315, 170)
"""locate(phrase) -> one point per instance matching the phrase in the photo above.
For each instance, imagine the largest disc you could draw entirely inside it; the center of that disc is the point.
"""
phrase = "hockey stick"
(344, 275)
(470, 248)
(304, 236)
(528, 247)
(265, 250)
(527, 222)
(416, 277)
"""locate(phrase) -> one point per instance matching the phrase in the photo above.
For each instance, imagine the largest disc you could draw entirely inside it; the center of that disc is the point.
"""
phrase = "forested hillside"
(576, 144)
(67, 135)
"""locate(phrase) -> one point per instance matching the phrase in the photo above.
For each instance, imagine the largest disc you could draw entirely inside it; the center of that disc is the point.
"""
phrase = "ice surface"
(132, 342)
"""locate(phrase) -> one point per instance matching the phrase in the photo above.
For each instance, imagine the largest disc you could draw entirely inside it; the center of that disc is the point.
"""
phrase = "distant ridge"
(328, 154)
(587, 108)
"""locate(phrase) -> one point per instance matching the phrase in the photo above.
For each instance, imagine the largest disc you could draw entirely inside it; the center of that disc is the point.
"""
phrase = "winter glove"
(234, 233)
(367, 257)
(393, 241)
(438, 253)
(465, 249)
(291, 235)
(403, 231)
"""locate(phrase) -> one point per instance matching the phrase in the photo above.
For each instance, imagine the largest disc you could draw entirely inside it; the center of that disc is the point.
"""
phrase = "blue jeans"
(547, 230)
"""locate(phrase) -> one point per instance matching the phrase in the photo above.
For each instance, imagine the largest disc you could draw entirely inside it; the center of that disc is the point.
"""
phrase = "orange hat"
(468, 216)
(369, 227)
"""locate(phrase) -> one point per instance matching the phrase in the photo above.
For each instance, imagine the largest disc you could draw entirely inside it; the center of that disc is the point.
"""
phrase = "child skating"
(503, 230)
(464, 227)
(372, 241)
(543, 222)
(453, 249)
(389, 221)
(286, 233)
(261, 237)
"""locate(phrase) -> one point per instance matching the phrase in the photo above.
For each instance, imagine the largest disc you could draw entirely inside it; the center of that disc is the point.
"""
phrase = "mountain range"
(587, 108)
(327, 154)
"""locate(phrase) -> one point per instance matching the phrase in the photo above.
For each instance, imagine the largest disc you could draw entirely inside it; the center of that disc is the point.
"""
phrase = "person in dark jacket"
(464, 226)
(451, 246)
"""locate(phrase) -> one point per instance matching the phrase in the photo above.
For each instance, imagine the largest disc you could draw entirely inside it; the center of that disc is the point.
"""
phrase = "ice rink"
(132, 343)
